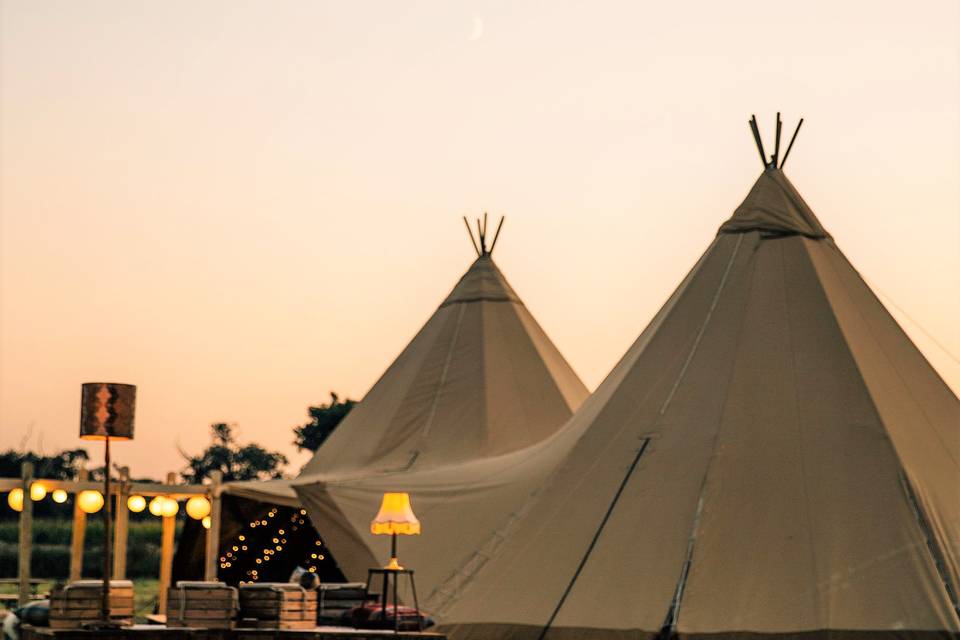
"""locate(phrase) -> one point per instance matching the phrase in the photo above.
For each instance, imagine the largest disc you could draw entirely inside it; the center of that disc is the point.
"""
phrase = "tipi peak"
(774, 206)
(481, 248)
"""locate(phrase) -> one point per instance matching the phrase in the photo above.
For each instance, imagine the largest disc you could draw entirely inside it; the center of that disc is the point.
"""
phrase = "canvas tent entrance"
(772, 458)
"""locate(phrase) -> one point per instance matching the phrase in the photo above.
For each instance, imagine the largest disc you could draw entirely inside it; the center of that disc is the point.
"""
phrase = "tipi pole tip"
(470, 233)
(790, 146)
(496, 234)
(483, 239)
(756, 138)
(776, 148)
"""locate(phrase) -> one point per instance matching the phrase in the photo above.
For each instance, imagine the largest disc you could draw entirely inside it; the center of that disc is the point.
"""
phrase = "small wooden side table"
(395, 573)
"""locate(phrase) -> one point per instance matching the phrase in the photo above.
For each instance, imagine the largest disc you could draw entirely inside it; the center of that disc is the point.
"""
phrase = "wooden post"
(79, 533)
(26, 535)
(213, 533)
(166, 554)
(120, 527)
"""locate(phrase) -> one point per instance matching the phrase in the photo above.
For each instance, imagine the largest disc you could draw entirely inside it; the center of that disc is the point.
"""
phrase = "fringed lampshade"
(395, 517)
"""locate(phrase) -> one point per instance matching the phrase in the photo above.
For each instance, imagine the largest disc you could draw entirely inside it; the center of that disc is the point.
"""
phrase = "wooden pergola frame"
(121, 491)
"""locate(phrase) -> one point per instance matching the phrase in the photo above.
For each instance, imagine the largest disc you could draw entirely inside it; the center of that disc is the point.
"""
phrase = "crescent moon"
(477, 30)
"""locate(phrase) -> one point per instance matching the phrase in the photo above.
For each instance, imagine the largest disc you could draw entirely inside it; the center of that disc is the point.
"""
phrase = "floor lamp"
(106, 412)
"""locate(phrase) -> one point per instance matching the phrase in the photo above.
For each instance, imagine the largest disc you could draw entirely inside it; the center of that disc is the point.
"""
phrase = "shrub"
(50, 557)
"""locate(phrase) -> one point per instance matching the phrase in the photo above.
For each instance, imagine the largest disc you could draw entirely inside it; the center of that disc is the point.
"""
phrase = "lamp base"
(393, 565)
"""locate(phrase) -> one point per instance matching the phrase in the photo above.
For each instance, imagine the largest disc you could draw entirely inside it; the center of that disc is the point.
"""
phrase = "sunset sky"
(241, 206)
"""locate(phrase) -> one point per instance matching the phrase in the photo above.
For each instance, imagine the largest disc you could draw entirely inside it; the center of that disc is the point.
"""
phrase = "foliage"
(246, 462)
(50, 556)
(323, 420)
(59, 466)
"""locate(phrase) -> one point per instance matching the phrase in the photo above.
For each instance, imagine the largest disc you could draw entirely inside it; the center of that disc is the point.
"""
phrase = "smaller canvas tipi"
(479, 382)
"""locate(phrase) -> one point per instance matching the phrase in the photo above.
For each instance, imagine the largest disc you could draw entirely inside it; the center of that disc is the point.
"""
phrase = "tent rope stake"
(774, 162)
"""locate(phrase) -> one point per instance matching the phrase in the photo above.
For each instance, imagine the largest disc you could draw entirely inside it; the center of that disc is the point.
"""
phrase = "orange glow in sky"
(239, 207)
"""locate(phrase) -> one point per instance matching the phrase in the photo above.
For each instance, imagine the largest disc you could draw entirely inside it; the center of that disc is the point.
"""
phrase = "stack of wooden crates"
(277, 605)
(209, 605)
(78, 604)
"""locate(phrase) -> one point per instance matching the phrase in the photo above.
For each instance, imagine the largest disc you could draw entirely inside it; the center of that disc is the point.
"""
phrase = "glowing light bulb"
(169, 507)
(59, 496)
(37, 492)
(90, 501)
(156, 506)
(205, 522)
(15, 499)
(198, 507)
(136, 504)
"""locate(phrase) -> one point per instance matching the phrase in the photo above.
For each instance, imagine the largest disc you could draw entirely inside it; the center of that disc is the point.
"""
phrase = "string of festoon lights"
(272, 531)
(89, 501)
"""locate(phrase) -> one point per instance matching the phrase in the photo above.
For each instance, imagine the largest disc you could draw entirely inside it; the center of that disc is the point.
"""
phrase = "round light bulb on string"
(198, 507)
(37, 492)
(169, 508)
(59, 496)
(156, 506)
(136, 504)
(205, 522)
(15, 499)
(90, 501)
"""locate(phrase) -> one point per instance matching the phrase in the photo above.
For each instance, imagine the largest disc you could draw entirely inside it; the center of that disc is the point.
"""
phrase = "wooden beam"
(121, 526)
(166, 554)
(79, 533)
(213, 533)
(26, 534)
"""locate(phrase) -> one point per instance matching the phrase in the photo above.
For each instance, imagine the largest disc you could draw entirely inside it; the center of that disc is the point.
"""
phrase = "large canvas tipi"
(480, 381)
(772, 458)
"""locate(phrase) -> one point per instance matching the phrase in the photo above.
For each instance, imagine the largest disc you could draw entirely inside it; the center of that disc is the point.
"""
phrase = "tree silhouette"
(237, 462)
(323, 420)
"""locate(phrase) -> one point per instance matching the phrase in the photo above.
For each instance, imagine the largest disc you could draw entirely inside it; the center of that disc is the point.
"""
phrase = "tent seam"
(673, 613)
(443, 375)
(796, 404)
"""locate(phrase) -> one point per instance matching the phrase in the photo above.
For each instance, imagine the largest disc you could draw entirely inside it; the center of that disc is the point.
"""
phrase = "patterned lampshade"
(107, 409)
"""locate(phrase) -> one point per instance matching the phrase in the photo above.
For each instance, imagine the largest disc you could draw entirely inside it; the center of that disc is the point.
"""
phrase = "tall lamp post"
(106, 412)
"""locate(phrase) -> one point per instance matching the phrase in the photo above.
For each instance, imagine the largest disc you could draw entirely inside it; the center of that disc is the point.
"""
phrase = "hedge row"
(50, 557)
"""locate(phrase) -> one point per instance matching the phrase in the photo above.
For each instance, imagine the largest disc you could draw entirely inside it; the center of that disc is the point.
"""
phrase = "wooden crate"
(278, 606)
(78, 603)
(209, 605)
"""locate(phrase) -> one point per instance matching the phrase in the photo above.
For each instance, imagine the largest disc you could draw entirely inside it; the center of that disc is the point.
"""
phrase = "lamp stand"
(107, 535)
(393, 565)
